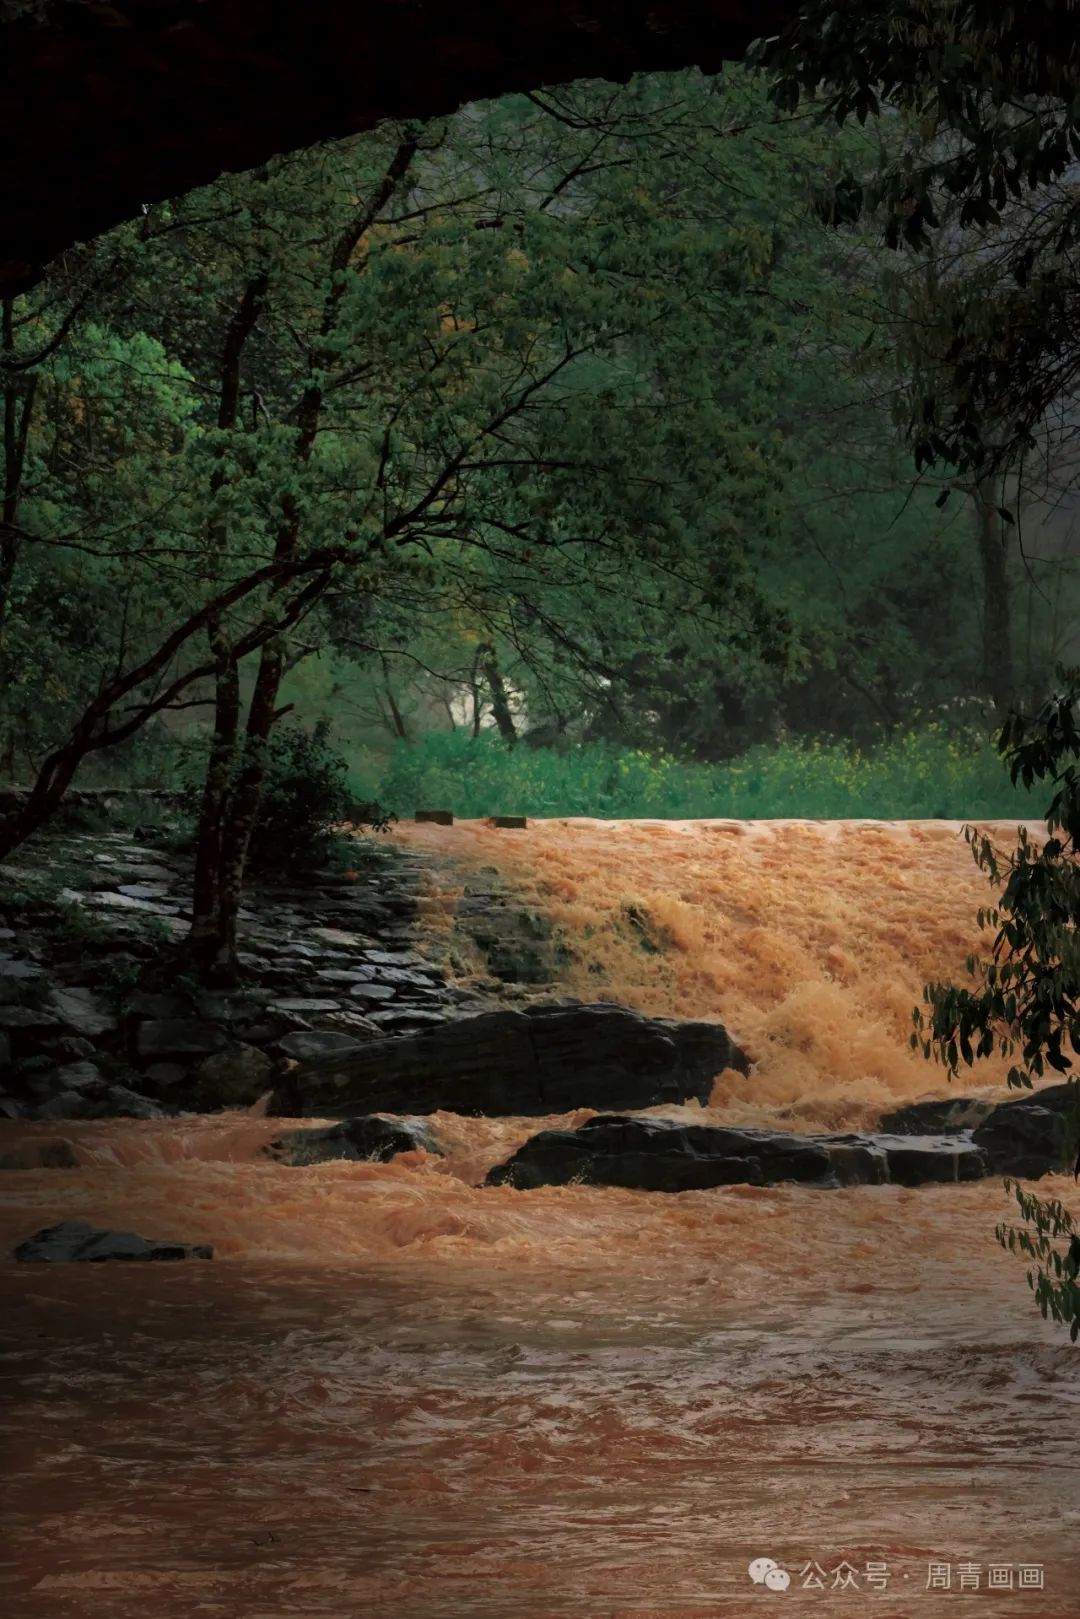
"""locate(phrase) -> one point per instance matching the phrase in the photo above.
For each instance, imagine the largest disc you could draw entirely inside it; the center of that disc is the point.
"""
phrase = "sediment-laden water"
(396, 1392)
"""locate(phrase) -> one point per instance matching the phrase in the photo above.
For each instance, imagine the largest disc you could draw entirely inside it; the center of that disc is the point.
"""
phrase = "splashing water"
(396, 1392)
(811, 940)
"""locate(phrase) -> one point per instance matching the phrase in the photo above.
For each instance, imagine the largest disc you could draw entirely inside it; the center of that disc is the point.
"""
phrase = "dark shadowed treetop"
(984, 180)
(1002, 82)
(104, 107)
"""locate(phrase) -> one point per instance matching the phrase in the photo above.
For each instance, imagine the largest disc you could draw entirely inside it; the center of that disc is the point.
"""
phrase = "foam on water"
(811, 940)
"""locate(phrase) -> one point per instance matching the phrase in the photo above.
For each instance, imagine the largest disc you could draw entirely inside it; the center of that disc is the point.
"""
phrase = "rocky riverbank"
(403, 985)
(408, 986)
(341, 958)
(1027, 1138)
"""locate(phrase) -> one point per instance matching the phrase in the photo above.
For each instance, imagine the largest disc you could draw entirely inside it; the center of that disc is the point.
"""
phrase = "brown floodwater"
(397, 1392)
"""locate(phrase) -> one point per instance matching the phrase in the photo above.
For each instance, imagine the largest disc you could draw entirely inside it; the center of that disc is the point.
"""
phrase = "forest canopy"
(564, 417)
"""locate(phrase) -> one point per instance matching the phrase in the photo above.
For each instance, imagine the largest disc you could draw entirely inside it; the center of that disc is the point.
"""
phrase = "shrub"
(305, 796)
(935, 772)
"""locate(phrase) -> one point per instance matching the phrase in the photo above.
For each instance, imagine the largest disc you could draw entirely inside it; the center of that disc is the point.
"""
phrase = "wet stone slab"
(664, 1155)
(78, 1242)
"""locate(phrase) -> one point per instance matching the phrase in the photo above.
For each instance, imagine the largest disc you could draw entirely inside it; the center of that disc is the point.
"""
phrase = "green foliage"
(930, 773)
(1000, 79)
(589, 387)
(305, 796)
(1053, 1278)
(1027, 1000)
(118, 976)
(979, 107)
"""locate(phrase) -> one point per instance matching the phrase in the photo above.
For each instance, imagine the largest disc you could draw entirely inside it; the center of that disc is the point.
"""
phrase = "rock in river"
(78, 1241)
(665, 1155)
(542, 1059)
(1029, 1137)
(369, 1137)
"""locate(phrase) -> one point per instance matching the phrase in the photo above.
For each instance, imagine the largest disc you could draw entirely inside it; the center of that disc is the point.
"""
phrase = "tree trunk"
(997, 655)
(18, 405)
(53, 780)
(397, 719)
(205, 936)
(474, 692)
(225, 832)
(500, 698)
(213, 955)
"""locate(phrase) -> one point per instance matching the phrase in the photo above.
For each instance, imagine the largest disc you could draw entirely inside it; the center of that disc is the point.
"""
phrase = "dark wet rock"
(407, 1017)
(214, 1006)
(1027, 1137)
(162, 1078)
(925, 1160)
(161, 1007)
(34, 1018)
(17, 970)
(40, 1152)
(406, 977)
(303, 1006)
(305, 947)
(949, 1116)
(362, 973)
(281, 975)
(251, 963)
(366, 1137)
(76, 1241)
(1063, 1099)
(666, 1155)
(337, 936)
(356, 1024)
(64, 1104)
(161, 1039)
(82, 1091)
(662, 1155)
(258, 1031)
(235, 1077)
(395, 958)
(543, 1059)
(119, 1101)
(69, 1048)
(1032, 1136)
(304, 1045)
(119, 901)
(147, 875)
(82, 1010)
(856, 1160)
(517, 943)
(78, 1076)
(23, 1028)
(11, 873)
